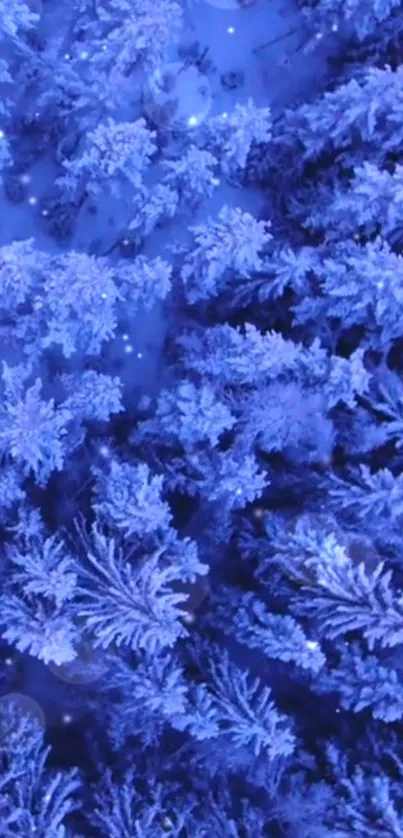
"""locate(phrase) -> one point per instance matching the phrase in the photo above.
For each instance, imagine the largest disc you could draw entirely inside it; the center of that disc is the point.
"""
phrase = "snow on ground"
(275, 76)
(191, 93)
(23, 221)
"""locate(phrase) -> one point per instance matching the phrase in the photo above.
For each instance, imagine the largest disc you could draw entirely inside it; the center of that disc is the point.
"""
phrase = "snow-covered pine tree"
(144, 282)
(92, 396)
(130, 34)
(370, 109)
(129, 498)
(193, 176)
(16, 18)
(21, 264)
(362, 17)
(78, 303)
(32, 430)
(5, 103)
(114, 154)
(360, 286)
(231, 245)
(34, 798)
(371, 205)
(5, 153)
(232, 135)
(152, 207)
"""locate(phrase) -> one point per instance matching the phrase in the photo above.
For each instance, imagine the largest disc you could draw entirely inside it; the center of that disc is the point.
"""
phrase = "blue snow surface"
(201, 419)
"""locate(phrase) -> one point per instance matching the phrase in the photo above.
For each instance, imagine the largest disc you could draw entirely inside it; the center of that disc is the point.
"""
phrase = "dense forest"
(201, 419)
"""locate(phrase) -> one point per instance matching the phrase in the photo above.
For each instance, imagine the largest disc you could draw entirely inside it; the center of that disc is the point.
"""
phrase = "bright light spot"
(380, 284)
(1, 135)
(104, 47)
(335, 27)
(25, 178)
(238, 492)
(84, 55)
(192, 120)
(139, 354)
(45, 212)
(125, 242)
(104, 451)
(224, 115)
(312, 644)
(104, 296)
(319, 35)
(32, 200)
(125, 337)
(67, 56)
(8, 661)
(215, 181)
(67, 719)
(230, 30)
(189, 619)
(128, 349)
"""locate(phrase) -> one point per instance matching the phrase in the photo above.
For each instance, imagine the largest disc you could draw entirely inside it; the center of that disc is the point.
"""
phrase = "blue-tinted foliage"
(32, 429)
(128, 603)
(278, 637)
(201, 421)
(362, 683)
(153, 691)
(361, 106)
(45, 633)
(190, 415)
(120, 811)
(92, 396)
(363, 16)
(34, 801)
(369, 804)
(233, 243)
(247, 716)
(340, 591)
(129, 498)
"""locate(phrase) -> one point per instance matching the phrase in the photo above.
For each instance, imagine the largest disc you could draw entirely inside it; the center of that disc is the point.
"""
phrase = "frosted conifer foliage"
(370, 107)
(232, 243)
(115, 153)
(15, 17)
(138, 34)
(234, 133)
(80, 295)
(192, 175)
(363, 16)
(373, 204)
(32, 431)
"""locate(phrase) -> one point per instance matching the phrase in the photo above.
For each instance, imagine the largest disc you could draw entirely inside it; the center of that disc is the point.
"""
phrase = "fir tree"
(232, 135)
(362, 16)
(192, 176)
(232, 244)
(115, 153)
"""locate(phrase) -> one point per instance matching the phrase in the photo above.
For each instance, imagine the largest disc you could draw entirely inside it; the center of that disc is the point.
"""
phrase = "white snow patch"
(186, 89)
(277, 75)
(229, 5)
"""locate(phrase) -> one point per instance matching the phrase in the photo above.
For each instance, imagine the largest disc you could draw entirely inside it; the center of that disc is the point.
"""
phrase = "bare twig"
(276, 40)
